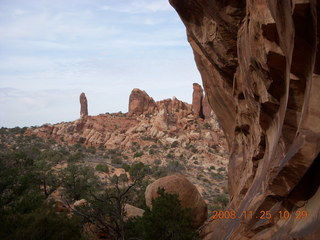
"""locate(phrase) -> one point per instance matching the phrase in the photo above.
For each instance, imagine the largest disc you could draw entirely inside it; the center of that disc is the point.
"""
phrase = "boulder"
(132, 211)
(187, 192)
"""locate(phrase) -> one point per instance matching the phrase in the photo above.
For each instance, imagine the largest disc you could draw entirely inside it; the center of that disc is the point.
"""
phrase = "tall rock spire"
(83, 106)
(197, 96)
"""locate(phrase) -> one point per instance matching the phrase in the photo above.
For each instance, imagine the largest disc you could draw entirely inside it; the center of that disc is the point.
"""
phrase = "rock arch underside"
(260, 63)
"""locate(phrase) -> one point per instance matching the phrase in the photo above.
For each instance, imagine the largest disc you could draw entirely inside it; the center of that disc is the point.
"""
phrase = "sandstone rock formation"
(197, 97)
(206, 109)
(260, 66)
(83, 106)
(140, 102)
(132, 211)
(187, 192)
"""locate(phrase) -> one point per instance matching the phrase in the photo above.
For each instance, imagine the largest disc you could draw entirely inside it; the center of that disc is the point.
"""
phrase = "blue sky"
(51, 51)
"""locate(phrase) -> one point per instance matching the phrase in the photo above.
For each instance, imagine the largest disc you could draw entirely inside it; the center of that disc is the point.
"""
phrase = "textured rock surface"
(166, 119)
(132, 211)
(260, 66)
(206, 109)
(83, 106)
(197, 97)
(188, 195)
(140, 102)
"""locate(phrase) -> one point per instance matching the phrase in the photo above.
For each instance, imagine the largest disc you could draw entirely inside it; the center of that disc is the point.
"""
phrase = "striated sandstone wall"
(260, 65)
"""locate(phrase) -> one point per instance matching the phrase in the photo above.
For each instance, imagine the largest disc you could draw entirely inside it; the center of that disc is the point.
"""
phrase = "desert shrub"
(75, 157)
(167, 220)
(102, 168)
(138, 169)
(221, 169)
(77, 180)
(174, 144)
(157, 162)
(126, 167)
(91, 150)
(81, 140)
(206, 126)
(101, 147)
(154, 146)
(174, 166)
(152, 151)
(220, 202)
(43, 223)
(170, 156)
(159, 172)
(116, 160)
(137, 154)
(217, 176)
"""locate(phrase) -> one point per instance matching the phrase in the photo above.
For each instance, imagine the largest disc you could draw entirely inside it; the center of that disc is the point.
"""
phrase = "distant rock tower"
(83, 106)
(206, 109)
(197, 97)
(140, 102)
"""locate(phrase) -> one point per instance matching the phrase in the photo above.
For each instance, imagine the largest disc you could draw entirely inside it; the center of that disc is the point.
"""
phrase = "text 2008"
(260, 215)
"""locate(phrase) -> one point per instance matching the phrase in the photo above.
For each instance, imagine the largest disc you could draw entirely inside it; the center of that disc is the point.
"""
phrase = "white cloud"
(51, 51)
(19, 12)
(140, 6)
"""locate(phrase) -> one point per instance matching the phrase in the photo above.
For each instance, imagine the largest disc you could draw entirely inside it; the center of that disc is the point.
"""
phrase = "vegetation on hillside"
(32, 170)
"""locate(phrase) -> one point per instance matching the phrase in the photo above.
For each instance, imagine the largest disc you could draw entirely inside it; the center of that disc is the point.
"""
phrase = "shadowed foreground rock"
(188, 195)
(260, 65)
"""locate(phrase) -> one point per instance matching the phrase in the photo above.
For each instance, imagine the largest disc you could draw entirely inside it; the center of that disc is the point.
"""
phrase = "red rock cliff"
(260, 65)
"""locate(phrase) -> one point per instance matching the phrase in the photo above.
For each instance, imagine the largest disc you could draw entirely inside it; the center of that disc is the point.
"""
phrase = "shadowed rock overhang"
(260, 65)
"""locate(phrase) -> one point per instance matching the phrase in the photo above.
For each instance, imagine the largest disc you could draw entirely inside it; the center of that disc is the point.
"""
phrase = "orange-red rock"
(206, 109)
(259, 62)
(83, 106)
(140, 102)
(187, 192)
(197, 96)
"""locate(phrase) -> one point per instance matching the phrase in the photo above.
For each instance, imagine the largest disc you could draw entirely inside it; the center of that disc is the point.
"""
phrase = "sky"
(51, 51)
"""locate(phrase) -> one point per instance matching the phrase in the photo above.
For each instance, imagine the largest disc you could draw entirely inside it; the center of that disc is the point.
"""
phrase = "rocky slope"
(165, 134)
(260, 65)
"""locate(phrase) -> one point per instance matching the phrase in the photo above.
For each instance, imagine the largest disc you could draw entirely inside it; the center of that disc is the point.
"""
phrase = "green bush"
(206, 126)
(40, 224)
(220, 203)
(126, 167)
(174, 144)
(102, 168)
(138, 154)
(217, 176)
(157, 162)
(138, 169)
(91, 150)
(174, 166)
(76, 157)
(116, 160)
(170, 156)
(152, 151)
(167, 220)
